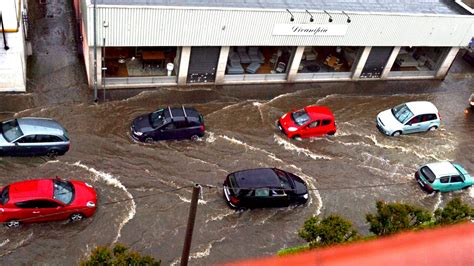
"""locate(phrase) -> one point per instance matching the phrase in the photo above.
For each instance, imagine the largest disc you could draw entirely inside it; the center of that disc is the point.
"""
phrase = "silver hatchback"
(33, 136)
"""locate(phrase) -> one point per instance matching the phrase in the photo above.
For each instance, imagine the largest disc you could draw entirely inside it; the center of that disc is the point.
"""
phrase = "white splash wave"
(207, 251)
(111, 180)
(220, 216)
(438, 202)
(471, 192)
(280, 96)
(6, 241)
(17, 245)
(252, 148)
(200, 201)
(258, 105)
(378, 144)
(325, 98)
(210, 138)
(290, 146)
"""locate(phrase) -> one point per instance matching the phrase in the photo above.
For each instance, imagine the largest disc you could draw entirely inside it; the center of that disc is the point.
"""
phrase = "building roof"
(389, 6)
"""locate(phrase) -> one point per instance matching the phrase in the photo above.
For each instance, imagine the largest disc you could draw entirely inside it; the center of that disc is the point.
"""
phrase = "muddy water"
(145, 189)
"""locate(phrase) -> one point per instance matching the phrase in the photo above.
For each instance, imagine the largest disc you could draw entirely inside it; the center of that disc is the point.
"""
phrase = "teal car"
(443, 176)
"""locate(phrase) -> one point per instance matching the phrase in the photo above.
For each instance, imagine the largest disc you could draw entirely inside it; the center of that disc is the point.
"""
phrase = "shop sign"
(310, 29)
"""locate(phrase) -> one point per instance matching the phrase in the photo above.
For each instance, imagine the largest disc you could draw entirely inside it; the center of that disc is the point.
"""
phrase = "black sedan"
(264, 187)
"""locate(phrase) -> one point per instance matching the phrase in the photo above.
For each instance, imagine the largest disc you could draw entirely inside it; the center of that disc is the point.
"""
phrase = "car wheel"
(148, 140)
(433, 128)
(75, 217)
(52, 154)
(13, 224)
(396, 133)
(331, 133)
(194, 137)
(297, 137)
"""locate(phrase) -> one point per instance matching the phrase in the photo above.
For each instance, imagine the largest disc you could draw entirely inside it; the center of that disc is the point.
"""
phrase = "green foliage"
(395, 217)
(118, 256)
(330, 230)
(293, 250)
(455, 212)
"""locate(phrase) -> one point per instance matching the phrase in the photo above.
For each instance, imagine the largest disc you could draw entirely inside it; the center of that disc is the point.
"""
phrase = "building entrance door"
(203, 64)
(376, 62)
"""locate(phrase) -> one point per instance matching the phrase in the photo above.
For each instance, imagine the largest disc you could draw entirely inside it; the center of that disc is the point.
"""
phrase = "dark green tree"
(330, 230)
(395, 217)
(455, 212)
(118, 256)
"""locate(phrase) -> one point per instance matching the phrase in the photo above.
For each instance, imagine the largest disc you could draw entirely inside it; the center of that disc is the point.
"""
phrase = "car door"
(26, 145)
(413, 125)
(183, 130)
(456, 182)
(40, 210)
(428, 120)
(166, 131)
(444, 184)
(312, 129)
(49, 142)
(326, 126)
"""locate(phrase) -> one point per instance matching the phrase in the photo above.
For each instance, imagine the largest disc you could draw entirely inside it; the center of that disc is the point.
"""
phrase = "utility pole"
(95, 52)
(190, 227)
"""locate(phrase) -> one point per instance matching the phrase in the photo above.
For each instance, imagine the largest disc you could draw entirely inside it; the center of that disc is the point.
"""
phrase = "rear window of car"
(428, 174)
(11, 130)
(4, 196)
(233, 185)
(326, 122)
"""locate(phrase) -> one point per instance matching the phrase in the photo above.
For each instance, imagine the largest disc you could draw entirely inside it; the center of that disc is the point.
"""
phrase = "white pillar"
(446, 63)
(361, 63)
(99, 68)
(222, 64)
(184, 65)
(295, 64)
(390, 61)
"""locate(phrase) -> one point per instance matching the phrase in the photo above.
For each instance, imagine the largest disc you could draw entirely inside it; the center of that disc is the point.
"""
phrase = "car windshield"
(428, 174)
(63, 191)
(11, 131)
(4, 197)
(402, 113)
(300, 117)
(157, 118)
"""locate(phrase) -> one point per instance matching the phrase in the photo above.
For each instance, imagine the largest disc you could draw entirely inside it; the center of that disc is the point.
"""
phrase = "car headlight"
(88, 185)
(137, 133)
(305, 196)
(90, 204)
(292, 129)
(472, 102)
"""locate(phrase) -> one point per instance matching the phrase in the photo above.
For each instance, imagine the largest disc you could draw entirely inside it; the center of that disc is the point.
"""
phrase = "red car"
(310, 121)
(43, 200)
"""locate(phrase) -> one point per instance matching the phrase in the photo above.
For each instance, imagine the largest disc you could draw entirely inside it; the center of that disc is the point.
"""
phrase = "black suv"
(264, 187)
(169, 123)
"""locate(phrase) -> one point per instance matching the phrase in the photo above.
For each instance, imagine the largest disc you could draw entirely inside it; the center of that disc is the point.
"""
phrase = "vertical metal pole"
(190, 227)
(95, 52)
(103, 66)
(3, 32)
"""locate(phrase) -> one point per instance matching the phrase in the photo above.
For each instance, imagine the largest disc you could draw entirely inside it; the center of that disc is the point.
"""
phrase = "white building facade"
(150, 43)
(13, 46)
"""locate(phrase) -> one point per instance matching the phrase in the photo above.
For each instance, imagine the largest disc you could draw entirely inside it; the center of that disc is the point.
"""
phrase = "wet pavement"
(145, 189)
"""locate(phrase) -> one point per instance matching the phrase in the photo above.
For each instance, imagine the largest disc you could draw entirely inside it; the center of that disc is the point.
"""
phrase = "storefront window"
(140, 61)
(419, 58)
(328, 59)
(244, 60)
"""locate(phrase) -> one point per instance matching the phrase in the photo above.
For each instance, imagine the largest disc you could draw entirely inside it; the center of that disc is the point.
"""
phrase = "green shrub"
(328, 231)
(455, 212)
(118, 256)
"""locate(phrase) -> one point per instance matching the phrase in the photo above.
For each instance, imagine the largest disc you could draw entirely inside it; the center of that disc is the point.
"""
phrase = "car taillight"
(234, 200)
(203, 128)
(439, 116)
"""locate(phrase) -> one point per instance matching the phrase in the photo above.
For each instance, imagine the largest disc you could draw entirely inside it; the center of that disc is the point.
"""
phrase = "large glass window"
(419, 58)
(140, 61)
(243, 60)
(328, 59)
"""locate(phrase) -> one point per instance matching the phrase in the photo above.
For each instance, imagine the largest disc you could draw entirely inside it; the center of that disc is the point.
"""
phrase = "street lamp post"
(95, 52)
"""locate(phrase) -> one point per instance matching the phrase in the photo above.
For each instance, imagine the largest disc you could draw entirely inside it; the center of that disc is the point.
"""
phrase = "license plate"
(421, 183)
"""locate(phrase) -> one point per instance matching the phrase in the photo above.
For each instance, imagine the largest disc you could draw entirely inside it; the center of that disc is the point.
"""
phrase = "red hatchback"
(43, 200)
(310, 121)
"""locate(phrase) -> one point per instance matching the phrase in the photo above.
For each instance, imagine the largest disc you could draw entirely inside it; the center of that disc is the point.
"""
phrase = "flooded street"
(145, 189)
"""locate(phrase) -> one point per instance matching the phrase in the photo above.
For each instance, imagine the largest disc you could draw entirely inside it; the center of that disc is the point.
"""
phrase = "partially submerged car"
(408, 118)
(168, 124)
(43, 200)
(443, 176)
(264, 187)
(310, 121)
(33, 136)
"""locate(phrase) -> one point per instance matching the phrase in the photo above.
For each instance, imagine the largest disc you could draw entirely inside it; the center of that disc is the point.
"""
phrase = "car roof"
(178, 113)
(422, 107)
(441, 169)
(30, 189)
(319, 112)
(35, 125)
(255, 178)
